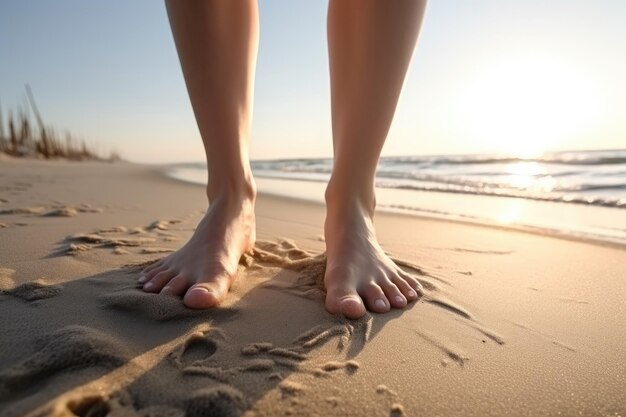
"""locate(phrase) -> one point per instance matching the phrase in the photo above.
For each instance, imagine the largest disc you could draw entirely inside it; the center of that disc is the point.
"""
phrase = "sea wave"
(572, 199)
(582, 177)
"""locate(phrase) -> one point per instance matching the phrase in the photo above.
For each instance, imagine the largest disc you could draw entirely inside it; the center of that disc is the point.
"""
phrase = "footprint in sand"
(198, 347)
(70, 348)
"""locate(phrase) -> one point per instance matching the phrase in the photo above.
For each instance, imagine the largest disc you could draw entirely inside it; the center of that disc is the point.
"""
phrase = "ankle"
(232, 189)
(346, 199)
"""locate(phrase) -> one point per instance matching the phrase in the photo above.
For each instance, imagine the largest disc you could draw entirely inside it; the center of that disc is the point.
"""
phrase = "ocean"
(575, 193)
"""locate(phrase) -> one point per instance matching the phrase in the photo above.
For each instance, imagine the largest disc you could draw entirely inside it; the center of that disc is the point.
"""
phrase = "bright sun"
(525, 106)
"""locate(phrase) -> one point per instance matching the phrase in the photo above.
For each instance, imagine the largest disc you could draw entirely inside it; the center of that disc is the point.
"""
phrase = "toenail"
(352, 299)
(412, 293)
(399, 299)
(380, 303)
(199, 289)
(142, 279)
(148, 285)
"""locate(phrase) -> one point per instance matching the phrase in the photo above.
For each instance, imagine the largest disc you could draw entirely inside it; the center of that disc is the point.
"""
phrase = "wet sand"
(512, 323)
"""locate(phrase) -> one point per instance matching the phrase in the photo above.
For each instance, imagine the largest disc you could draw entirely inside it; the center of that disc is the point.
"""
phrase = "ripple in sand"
(451, 351)
(384, 389)
(481, 251)
(58, 211)
(119, 405)
(62, 212)
(105, 241)
(162, 224)
(120, 236)
(72, 347)
(114, 229)
(76, 248)
(256, 348)
(291, 388)
(448, 305)
(24, 210)
(32, 291)
(397, 410)
(151, 251)
(216, 401)
(155, 307)
(6, 279)
(350, 366)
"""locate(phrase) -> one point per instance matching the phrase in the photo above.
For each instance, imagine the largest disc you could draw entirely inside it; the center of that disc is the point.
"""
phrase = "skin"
(370, 44)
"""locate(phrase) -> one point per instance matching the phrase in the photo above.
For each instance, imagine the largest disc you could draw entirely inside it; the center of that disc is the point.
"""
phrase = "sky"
(487, 76)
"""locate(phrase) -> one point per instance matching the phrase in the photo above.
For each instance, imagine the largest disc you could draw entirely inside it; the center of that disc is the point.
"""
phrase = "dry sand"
(512, 323)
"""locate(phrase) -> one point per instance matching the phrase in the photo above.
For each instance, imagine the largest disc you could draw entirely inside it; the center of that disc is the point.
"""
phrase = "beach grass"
(23, 133)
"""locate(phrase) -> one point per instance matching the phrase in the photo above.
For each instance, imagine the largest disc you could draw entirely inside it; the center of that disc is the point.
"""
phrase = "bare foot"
(359, 275)
(205, 268)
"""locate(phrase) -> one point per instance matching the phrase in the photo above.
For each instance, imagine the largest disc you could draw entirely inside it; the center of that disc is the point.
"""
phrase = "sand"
(512, 323)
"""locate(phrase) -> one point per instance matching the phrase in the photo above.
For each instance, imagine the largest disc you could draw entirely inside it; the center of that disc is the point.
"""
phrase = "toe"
(176, 286)
(147, 276)
(413, 282)
(206, 294)
(393, 294)
(158, 281)
(374, 298)
(407, 290)
(344, 300)
(152, 266)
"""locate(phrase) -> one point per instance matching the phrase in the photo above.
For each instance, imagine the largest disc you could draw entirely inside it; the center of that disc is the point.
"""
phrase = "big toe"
(352, 307)
(202, 296)
(346, 302)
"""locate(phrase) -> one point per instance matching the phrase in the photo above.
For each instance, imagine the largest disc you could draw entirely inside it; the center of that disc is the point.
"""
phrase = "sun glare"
(526, 106)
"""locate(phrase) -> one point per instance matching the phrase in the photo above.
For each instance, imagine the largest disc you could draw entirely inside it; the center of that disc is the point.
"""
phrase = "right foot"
(205, 268)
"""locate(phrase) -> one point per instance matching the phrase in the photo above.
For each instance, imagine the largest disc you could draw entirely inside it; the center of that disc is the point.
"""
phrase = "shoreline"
(512, 323)
(312, 191)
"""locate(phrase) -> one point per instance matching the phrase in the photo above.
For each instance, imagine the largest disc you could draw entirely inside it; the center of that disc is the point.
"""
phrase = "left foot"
(359, 275)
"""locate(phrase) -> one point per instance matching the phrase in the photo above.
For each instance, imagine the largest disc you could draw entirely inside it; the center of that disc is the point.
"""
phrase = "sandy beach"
(512, 323)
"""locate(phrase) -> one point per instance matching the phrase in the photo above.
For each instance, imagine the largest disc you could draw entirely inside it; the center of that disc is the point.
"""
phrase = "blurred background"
(487, 77)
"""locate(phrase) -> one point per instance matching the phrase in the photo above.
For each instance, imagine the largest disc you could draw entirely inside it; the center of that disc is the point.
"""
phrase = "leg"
(370, 44)
(217, 44)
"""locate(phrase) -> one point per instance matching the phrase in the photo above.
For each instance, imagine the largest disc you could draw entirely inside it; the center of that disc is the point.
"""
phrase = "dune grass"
(21, 136)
